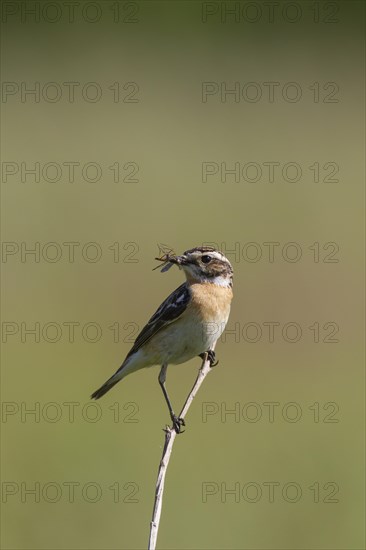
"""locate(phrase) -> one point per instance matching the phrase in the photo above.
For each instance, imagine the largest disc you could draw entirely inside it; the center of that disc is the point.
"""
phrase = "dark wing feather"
(169, 311)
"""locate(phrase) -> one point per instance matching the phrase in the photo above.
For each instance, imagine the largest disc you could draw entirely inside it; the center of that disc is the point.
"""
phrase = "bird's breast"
(201, 324)
(211, 302)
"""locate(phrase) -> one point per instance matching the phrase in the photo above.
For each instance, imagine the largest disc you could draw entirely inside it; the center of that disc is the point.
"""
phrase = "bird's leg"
(211, 356)
(177, 422)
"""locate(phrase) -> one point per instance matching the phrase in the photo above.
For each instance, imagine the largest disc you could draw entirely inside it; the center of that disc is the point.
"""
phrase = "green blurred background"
(109, 454)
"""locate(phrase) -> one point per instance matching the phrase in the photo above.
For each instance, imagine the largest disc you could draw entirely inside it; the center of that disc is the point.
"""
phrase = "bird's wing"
(169, 311)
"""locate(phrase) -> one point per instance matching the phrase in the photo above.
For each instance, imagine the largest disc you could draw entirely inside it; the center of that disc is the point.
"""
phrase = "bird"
(186, 324)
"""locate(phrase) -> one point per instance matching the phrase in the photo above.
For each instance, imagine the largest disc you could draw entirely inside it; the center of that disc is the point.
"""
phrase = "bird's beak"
(178, 260)
(171, 259)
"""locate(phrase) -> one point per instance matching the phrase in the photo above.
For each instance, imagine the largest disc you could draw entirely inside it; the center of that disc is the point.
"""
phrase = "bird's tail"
(106, 387)
(112, 381)
(129, 365)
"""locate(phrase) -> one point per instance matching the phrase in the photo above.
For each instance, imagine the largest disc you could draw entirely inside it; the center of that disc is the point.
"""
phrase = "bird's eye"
(206, 259)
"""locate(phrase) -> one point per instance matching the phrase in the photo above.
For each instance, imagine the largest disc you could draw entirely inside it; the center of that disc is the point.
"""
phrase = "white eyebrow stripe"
(218, 255)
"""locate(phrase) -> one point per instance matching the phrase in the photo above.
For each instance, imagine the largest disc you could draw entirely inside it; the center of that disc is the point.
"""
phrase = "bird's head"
(205, 264)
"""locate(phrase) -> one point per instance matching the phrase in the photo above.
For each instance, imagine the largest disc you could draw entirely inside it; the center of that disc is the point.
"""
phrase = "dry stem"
(170, 435)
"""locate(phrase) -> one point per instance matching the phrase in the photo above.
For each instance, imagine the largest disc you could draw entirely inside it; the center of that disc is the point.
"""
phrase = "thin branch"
(170, 435)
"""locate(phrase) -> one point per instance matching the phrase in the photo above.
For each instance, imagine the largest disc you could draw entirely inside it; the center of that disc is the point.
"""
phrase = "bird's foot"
(211, 356)
(178, 423)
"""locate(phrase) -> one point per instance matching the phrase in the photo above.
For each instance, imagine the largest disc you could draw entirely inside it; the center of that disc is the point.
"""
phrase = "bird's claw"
(178, 423)
(211, 356)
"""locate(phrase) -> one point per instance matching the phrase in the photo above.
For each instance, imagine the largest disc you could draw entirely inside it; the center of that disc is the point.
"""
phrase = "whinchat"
(188, 322)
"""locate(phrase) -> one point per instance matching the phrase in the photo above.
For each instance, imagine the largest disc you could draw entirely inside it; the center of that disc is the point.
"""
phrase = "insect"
(166, 254)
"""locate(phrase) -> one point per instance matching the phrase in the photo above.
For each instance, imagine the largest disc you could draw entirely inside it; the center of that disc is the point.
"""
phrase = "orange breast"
(211, 302)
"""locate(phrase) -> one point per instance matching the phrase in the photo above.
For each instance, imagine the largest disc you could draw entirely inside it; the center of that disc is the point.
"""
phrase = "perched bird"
(187, 323)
